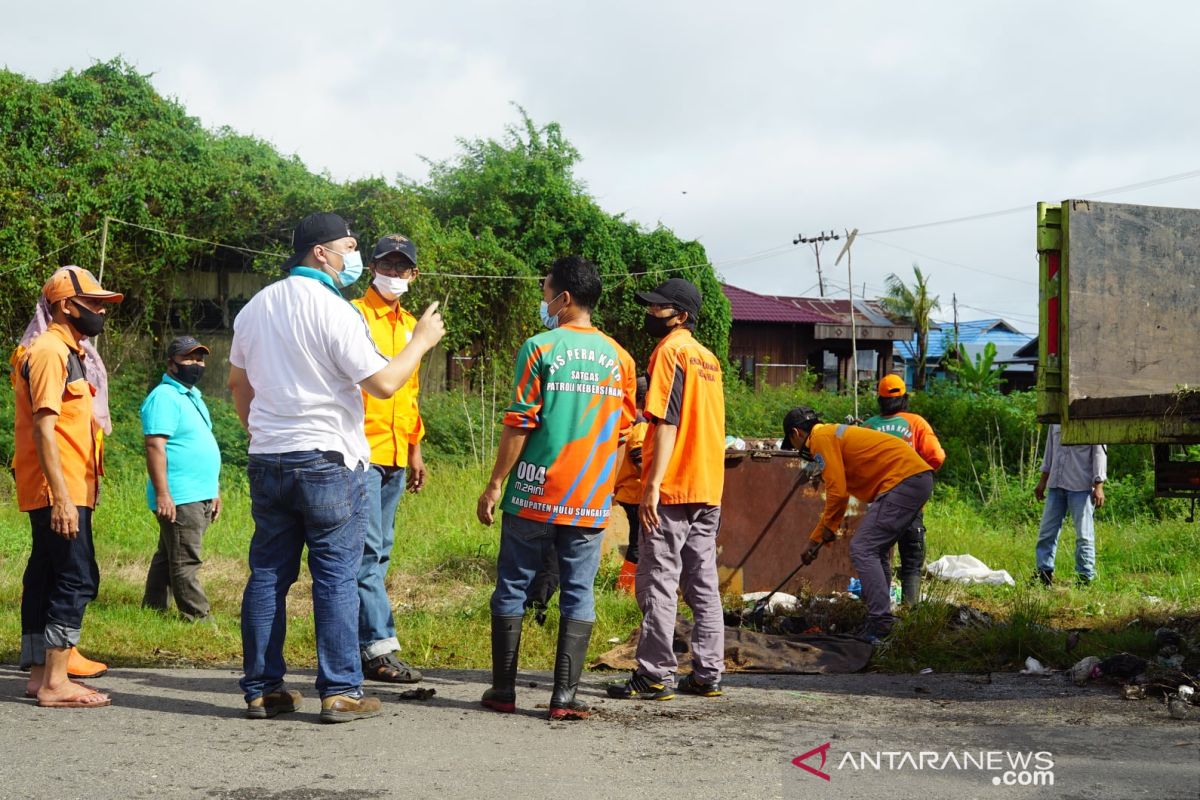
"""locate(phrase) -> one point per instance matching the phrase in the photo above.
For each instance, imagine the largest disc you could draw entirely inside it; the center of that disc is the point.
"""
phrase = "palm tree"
(914, 304)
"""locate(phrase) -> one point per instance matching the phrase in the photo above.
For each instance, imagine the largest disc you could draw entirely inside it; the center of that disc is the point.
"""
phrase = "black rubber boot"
(506, 644)
(573, 638)
(912, 561)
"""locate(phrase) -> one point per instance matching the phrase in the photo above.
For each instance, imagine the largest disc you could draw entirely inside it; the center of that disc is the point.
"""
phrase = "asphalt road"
(180, 733)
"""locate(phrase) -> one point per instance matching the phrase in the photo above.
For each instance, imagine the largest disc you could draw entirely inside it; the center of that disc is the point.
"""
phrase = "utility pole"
(853, 325)
(954, 299)
(817, 243)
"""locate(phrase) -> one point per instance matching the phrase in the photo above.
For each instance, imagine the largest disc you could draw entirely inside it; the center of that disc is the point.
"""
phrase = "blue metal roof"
(973, 332)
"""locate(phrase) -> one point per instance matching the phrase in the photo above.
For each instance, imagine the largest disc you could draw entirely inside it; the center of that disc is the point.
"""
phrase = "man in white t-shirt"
(300, 354)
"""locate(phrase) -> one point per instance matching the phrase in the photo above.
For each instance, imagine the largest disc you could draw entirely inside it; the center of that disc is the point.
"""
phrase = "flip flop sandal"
(33, 695)
(75, 703)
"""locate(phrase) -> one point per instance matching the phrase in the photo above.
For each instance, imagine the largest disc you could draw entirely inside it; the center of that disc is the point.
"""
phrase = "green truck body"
(1119, 311)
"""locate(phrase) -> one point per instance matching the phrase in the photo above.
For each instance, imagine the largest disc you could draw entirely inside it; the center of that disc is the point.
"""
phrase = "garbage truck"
(1118, 350)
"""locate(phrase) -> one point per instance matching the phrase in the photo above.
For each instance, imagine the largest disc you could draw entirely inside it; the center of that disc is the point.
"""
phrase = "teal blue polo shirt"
(193, 458)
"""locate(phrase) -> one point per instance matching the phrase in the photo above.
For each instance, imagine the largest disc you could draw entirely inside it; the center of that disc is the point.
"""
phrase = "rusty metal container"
(767, 512)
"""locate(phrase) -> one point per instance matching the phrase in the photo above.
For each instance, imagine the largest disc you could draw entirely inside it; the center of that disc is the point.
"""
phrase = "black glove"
(810, 554)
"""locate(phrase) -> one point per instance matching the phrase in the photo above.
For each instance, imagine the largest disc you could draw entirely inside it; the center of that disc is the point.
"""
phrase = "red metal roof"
(748, 306)
(839, 310)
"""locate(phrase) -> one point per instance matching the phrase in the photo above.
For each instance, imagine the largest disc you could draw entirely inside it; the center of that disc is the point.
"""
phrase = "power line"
(44, 256)
(201, 241)
(1010, 314)
(953, 263)
(760, 255)
(1130, 187)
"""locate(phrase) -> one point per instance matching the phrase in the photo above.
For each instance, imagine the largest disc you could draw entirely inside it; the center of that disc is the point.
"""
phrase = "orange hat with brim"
(77, 282)
(892, 386)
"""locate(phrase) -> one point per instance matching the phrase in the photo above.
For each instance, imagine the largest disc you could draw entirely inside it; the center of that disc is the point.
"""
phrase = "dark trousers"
(176, 563)
(635, 529)
(61, 578)
(887, 519)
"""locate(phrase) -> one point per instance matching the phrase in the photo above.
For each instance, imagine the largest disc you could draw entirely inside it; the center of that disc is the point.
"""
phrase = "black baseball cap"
(677, 292)
(395, 243)
(316, 229)
(185, 345)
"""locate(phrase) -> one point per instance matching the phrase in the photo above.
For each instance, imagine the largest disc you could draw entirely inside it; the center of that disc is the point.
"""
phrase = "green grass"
(443, 568)
(444, 561)
(1147, 576)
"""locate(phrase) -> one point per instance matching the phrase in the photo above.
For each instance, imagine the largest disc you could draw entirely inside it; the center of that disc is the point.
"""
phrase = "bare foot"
(71, 695)
(32, 688)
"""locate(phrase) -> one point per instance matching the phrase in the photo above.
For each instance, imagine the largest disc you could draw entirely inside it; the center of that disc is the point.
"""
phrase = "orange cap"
(77, 282)
(892, 386)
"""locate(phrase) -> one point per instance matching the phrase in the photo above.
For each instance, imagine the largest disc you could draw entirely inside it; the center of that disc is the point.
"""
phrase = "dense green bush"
(124, 450)
(458, 424)
(993, 445)
(993, 442)
(759, 414)
(102, 149)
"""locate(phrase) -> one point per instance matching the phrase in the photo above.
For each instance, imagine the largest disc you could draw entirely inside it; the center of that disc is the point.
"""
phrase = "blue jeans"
(376, 627)
(298, 499)
(1081, 506)
(60, 579)
(522, 545)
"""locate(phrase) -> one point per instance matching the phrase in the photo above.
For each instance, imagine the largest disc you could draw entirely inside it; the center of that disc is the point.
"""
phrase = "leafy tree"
(912, 302)
(102, 143)
(519, 197)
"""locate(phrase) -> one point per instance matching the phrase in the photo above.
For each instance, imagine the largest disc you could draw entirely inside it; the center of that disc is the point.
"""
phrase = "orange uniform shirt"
(394, 423)
(50, 376)
(860, 463)
(686, 390)
(914, 429)
(629, 477)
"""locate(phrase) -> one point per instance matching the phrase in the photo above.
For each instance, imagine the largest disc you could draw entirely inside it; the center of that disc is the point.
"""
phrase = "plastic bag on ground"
(1034, 667)
(968, 569)
(780, 603)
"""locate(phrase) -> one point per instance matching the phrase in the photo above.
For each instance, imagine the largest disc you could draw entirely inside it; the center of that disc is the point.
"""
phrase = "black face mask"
(188, 374)
(657, 326)
(88, 323)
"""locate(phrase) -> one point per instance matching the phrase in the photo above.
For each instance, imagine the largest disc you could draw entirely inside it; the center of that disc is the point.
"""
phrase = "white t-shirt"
(305, 350)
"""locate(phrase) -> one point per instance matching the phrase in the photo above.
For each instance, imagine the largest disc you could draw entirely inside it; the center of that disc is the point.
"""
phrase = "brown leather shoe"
(344, 708)
(280, 701)
(82, 668)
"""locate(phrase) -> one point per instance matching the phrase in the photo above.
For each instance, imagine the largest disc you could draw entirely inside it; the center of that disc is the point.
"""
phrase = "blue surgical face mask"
(550, 321)
(352, 267)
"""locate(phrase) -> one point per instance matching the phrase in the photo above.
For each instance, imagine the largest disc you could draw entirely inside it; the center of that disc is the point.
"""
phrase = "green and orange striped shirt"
(574, 387)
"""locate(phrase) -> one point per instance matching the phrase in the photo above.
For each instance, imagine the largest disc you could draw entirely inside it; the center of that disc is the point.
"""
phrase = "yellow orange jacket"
(393, 424)
(629, 477)
(860, 463)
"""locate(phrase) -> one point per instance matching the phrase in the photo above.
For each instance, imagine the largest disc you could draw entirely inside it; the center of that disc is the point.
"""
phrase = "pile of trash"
(1165, 676)
(789, 615)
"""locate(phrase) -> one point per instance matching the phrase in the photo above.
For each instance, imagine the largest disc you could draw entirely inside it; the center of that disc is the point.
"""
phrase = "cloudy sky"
(741, 128)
